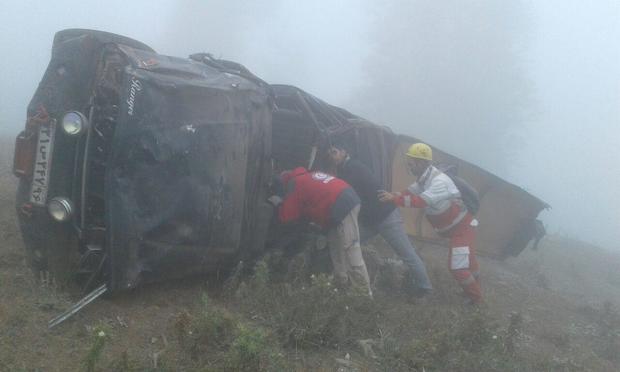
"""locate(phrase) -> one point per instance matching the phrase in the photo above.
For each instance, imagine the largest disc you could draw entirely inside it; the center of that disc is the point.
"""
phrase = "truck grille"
(91, 164)
(104, 115)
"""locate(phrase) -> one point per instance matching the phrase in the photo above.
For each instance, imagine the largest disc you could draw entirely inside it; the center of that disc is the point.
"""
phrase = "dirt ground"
(564, 293)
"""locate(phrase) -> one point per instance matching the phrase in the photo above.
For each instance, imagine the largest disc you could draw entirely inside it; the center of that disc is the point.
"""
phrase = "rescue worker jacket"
(367, 185)
(438, 195)
(316, 196)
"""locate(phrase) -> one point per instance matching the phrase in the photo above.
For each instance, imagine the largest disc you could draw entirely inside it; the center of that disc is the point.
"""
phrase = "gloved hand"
(275, 200)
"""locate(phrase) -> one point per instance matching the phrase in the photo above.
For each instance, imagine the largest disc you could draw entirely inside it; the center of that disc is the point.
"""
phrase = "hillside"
(553, 309)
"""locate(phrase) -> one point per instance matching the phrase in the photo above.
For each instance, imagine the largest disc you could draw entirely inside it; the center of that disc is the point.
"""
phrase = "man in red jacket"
(332, 204)
(438, 195)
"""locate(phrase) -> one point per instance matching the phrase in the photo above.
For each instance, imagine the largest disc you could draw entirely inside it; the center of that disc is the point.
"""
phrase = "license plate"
(42, 164)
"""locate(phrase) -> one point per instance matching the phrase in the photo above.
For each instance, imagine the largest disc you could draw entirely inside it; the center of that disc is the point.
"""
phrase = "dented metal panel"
(188, 171)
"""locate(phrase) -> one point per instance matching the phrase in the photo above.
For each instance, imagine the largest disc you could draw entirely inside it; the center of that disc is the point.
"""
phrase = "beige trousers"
(346, 253)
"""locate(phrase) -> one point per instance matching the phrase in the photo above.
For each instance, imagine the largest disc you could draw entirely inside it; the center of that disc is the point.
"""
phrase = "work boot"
(419, 297)
(471, 303)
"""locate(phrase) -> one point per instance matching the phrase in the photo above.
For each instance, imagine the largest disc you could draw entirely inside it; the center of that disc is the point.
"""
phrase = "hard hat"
(420, 151)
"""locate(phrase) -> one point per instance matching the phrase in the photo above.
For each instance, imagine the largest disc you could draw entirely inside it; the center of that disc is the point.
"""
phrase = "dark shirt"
(367, 185)
(346, 201)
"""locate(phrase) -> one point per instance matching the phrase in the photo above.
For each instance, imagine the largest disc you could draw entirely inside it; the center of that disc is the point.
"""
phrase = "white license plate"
(42, 165)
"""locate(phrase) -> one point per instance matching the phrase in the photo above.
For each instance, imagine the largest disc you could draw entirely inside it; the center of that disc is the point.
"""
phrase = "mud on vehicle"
(136, 167)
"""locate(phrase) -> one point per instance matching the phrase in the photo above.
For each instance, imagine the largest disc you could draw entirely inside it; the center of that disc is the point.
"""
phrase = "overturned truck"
(135, 167)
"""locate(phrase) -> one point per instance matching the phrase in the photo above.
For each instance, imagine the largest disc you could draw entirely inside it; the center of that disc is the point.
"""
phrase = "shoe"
(419, 296)
(468, 302)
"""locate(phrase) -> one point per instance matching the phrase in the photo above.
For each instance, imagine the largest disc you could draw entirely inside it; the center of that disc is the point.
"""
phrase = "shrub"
(214, 328)
(220, 342)
(252, 351)
(314, 314)
(473, 342)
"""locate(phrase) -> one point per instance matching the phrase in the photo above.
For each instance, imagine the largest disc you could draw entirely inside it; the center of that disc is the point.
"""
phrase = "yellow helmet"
(420, 151)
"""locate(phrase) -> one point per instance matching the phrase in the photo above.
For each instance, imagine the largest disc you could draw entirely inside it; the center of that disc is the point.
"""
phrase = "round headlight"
(74, 123)
(61, 209)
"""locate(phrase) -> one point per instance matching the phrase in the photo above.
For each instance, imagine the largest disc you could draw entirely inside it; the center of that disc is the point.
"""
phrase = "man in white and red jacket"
(437, 194)
(333, 205)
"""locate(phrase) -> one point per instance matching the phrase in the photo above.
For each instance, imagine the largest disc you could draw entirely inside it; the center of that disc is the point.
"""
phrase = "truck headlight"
(74, 123)
(61, 209)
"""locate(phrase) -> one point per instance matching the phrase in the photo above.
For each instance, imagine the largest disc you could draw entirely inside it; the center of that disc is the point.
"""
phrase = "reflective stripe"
(460, 258)
(458, 219)
(407, 200)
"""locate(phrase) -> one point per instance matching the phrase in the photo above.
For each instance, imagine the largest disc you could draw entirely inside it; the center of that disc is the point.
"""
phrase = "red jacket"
(316, 196)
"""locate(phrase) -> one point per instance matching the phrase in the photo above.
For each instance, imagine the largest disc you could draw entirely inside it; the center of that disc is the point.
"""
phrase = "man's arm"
(403, 199)
(289, 210)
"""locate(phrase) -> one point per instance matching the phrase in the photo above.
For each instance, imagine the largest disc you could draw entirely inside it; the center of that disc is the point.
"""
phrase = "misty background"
(529, 90)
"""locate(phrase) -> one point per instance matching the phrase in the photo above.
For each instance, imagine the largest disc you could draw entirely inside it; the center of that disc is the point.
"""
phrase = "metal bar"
(92, 296)
(85, 169)
(75, 186)
(309, 112)
(312, 157)
(95, 273)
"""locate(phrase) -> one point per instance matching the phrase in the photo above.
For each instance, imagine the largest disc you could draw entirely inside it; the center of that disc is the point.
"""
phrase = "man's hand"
(386, 196)
(313, 227)
(275, 200)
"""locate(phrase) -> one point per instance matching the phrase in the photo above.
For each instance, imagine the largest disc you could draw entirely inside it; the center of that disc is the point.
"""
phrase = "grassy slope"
(559, 292)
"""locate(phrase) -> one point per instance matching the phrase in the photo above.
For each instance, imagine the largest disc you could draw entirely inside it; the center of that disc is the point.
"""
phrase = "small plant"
(476, 331)
(609, 332)
(220, 342)
(260, 280)
(214, 328)
(256, 294)
(472, 341)
(125, 364)
(182, 327)
(94, 353)
(246, 350)
(513, 332)
(234, 280)
(251, 351)
(310, 312)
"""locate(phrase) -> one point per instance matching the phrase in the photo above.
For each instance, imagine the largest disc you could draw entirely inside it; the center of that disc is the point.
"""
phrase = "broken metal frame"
(92, 296)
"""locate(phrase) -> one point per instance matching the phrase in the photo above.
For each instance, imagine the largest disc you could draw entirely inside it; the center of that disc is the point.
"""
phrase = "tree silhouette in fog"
(449, 72)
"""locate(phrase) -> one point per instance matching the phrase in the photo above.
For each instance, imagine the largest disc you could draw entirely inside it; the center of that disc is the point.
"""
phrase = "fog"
(529, 90)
